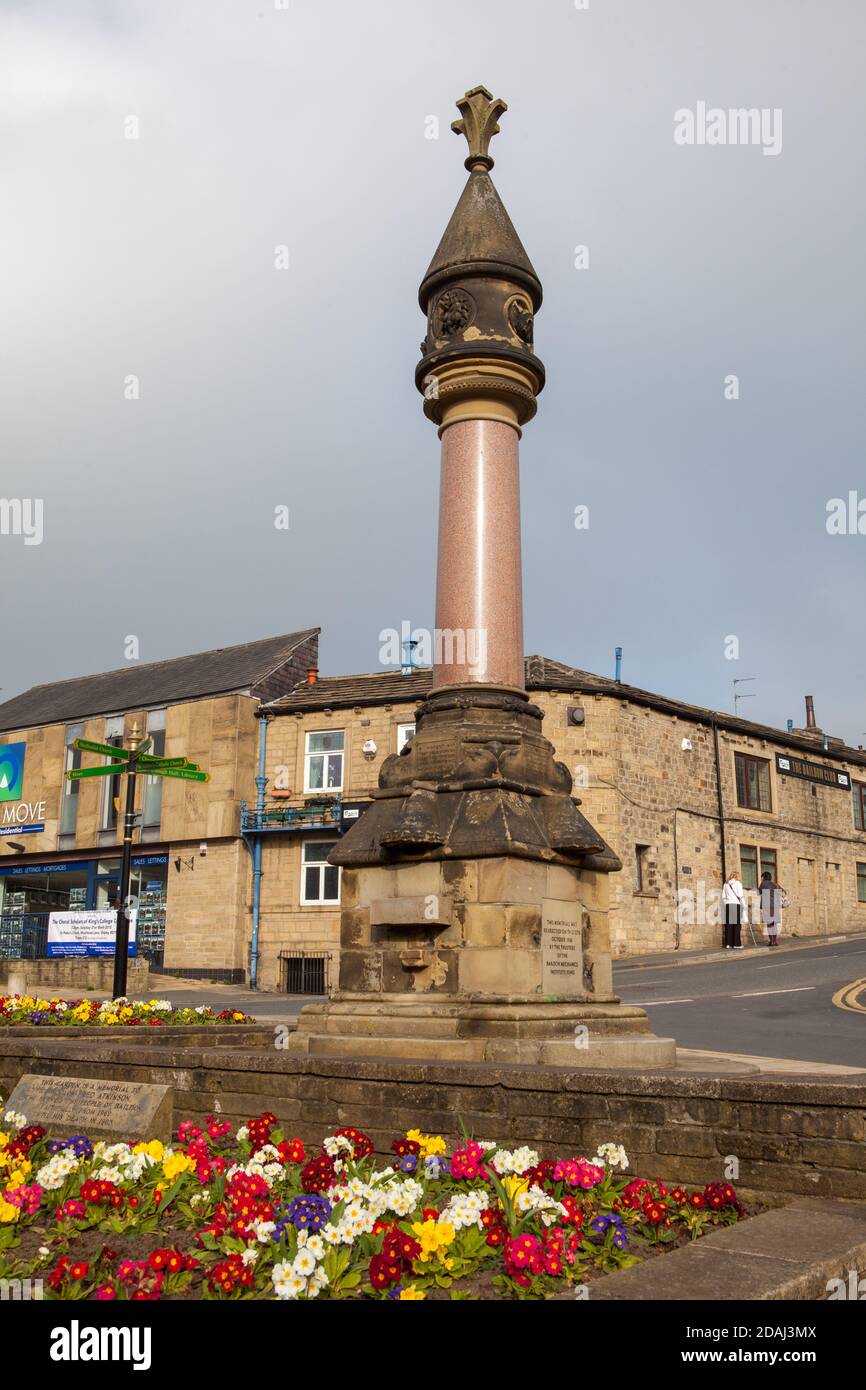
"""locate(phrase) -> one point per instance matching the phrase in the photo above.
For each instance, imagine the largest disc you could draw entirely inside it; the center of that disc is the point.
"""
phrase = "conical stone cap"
(480, 239)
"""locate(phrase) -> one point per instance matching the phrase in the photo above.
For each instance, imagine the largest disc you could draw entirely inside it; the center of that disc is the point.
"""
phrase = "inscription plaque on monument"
(95, 1106)
(561, 947)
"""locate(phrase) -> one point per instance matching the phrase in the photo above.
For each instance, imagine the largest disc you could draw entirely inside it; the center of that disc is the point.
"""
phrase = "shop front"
(29, 893)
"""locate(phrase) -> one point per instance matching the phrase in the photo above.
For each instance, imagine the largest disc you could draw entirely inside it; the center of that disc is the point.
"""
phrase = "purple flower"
(308, 1212)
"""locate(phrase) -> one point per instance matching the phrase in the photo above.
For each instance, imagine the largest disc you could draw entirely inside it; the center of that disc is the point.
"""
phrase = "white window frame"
(308, 757)
(404, 733)
(318, 902)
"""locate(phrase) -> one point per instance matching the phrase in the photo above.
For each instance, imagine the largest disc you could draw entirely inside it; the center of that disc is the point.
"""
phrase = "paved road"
(771, 1005)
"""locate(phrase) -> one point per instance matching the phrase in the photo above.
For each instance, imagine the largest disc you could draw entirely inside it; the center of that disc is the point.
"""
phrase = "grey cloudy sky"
(306, 127)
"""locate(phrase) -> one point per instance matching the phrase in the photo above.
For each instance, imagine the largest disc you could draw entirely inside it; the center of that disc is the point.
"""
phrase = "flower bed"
(83, 1013)
(253, 1215)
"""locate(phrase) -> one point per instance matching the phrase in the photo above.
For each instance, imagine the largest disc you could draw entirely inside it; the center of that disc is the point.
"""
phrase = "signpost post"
(134, 759)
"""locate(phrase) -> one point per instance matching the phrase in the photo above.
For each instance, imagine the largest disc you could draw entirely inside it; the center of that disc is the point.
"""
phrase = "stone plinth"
(501, 959)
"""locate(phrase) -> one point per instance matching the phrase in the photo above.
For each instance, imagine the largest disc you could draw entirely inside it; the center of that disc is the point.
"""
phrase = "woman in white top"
(734, 903)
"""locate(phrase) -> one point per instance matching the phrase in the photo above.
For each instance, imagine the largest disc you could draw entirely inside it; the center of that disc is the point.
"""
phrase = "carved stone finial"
(479, 122)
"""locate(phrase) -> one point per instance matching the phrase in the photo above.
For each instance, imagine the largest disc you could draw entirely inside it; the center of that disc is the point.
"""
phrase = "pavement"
(799, 1251)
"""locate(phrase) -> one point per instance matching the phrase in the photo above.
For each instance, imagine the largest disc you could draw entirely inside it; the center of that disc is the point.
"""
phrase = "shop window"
(861, 883)
(151, 810)
(753, 782)
(404, 733)
(320, 881)
(69, 791)
(858, 792)
(323, 761)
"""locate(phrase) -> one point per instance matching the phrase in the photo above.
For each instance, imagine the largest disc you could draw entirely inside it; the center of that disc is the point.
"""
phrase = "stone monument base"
(508, 1030)
(501, 959)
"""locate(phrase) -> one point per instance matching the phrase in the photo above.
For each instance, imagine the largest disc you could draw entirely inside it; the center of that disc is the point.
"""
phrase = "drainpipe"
(721, 802)
(261, 783)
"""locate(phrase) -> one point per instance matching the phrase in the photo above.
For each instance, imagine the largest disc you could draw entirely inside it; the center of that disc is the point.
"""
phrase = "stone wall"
(786, 1134)
(208, 910)
(86, 974)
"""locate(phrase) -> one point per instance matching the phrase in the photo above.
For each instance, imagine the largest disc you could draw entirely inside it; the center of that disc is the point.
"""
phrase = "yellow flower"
(126, 1012)
(434, 1238)
(514, 1184)
(4, 1139)
(431, 1144)
(238, 1015)
(411, 1295)
(173, 1164)
(154, 1148)
(7, 1211)
(108, 1018)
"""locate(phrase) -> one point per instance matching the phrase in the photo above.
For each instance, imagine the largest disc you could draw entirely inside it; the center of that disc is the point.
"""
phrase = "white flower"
(534, 1200)
(249, 1256)
(614, 1155)
(285, 1282)
(242, 1134)
(517, 1161)
(108, 1174)
(14, 1117)
(316, 1247)
(319, 1280)
(304, 1264)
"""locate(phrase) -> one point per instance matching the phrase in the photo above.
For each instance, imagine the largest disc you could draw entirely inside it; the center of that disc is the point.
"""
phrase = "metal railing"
(23, 935)
(312, 815)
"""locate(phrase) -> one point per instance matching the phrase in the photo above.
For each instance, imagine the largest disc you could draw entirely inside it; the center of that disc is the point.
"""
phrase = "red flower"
(403, 1148)
(292, 1151)
(384, 1272)
(319, 1174)
(362, 1144)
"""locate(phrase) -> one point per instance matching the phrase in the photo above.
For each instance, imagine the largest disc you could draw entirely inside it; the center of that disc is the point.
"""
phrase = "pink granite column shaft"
(479, 595)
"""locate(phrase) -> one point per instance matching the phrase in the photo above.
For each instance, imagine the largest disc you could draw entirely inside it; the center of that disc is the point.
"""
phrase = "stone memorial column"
(474, 891)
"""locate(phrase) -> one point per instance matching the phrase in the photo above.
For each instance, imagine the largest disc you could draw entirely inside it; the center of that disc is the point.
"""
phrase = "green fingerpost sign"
(112, 770)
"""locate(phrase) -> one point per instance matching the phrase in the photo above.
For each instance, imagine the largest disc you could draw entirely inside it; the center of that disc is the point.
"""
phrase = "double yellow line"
(848, 997)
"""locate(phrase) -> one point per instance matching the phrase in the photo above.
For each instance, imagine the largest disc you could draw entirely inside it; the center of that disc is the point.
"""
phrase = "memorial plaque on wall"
(95, 1106)
(561, 947)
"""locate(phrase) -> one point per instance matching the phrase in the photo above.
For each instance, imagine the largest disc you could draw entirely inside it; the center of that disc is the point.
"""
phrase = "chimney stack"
(810, 713)
(312, 675)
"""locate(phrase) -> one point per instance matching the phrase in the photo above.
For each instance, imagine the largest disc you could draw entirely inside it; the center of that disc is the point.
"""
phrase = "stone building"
(60, 840)
(667, 784)
(644, 766)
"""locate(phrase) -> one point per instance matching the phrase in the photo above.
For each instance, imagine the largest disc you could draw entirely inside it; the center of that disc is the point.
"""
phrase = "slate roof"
(265, 668)
(542, 673)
